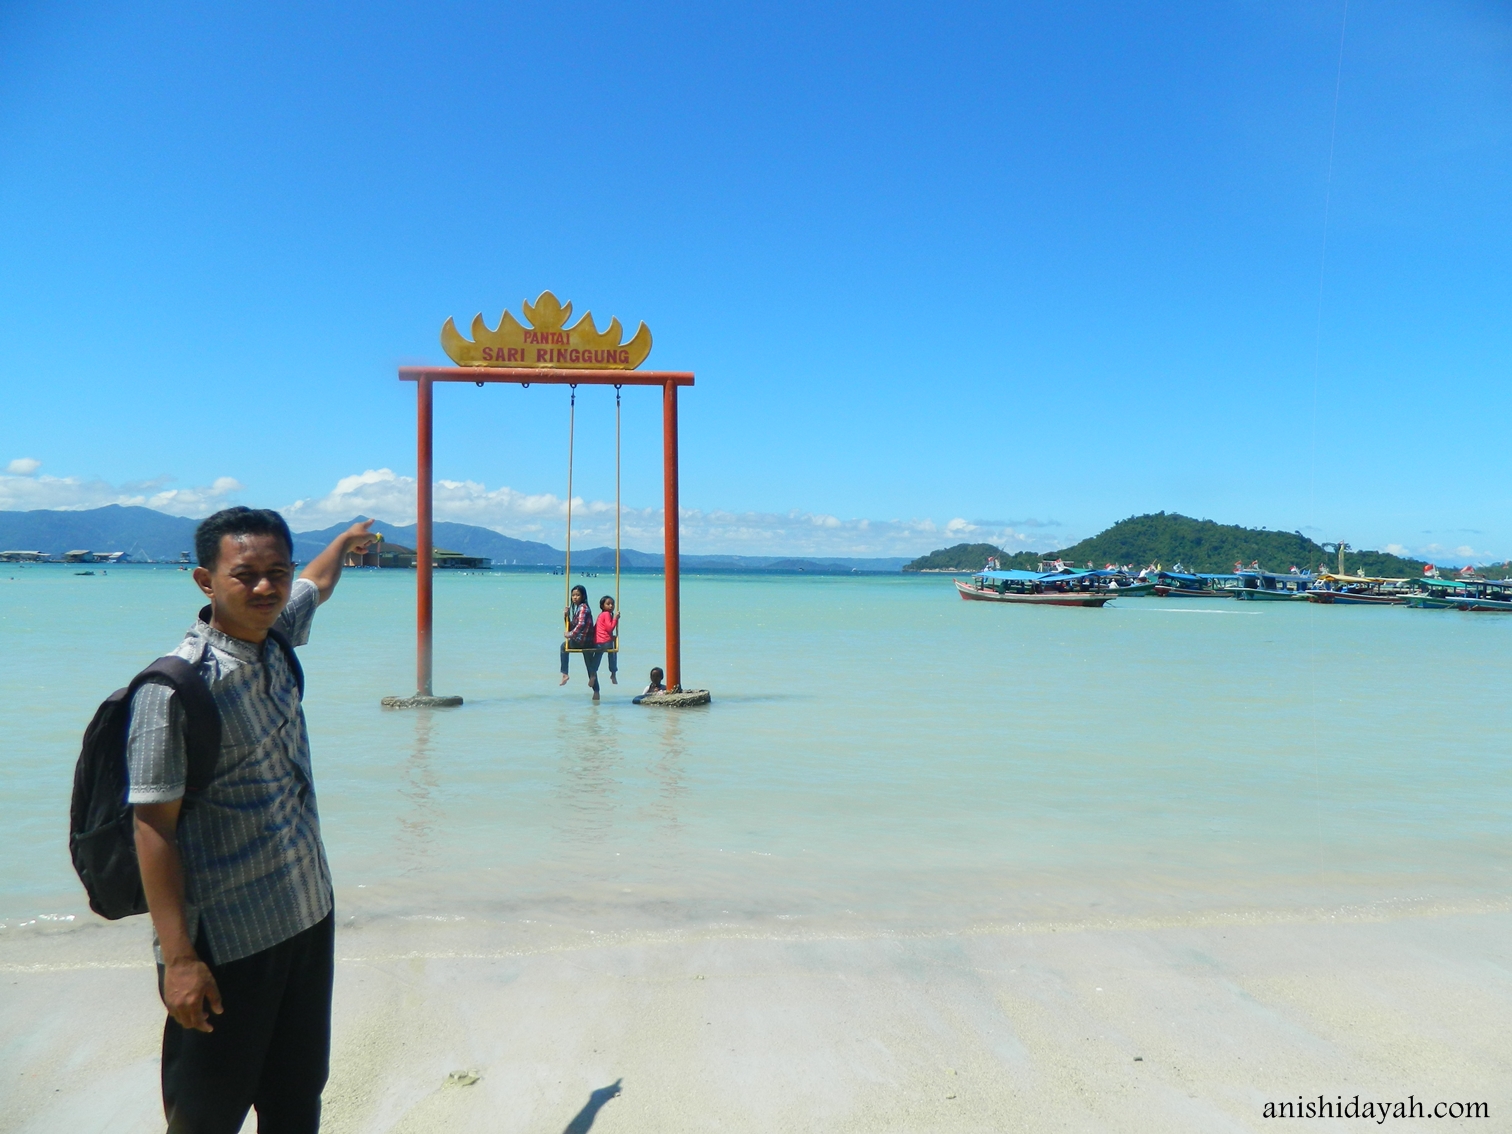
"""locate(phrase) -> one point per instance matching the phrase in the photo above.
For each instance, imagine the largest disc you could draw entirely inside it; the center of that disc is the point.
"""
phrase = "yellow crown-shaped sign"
(548, 341)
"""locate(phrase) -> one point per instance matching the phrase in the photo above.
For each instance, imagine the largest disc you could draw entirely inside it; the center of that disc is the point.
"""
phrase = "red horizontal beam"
(546, 376)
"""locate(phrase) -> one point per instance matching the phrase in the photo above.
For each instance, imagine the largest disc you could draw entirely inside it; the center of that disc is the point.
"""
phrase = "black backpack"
(102, 836)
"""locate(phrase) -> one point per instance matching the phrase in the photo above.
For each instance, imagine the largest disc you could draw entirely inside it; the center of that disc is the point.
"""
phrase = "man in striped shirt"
(237, 881)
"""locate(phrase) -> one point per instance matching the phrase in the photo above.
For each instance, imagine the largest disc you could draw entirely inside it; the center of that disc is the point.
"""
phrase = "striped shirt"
(255, 871)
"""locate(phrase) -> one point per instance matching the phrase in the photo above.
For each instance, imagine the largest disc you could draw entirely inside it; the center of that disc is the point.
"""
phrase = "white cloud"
(391, 497)
(1395, 549)
(540, 516)
(387, 495)
(805, 533)
(21, 493)
(1464, 553)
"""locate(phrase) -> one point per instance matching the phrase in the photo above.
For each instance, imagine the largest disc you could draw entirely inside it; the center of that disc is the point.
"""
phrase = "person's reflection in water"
(667, 768)
(587, 787)
(417, 825)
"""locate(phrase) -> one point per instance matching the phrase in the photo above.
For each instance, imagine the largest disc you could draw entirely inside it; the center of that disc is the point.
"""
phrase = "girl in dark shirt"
(580, 633)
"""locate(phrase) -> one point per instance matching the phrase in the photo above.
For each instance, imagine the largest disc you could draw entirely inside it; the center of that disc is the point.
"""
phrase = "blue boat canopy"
(1179, 575)
(1036, 576)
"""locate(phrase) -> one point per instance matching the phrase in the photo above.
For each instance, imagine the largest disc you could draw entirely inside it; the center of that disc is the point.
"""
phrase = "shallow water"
(878, 754)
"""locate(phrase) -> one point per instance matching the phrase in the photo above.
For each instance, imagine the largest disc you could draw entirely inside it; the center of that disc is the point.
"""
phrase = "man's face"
(249, 585)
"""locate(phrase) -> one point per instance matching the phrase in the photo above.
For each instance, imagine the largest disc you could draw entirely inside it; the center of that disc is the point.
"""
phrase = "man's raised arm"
(325, 569)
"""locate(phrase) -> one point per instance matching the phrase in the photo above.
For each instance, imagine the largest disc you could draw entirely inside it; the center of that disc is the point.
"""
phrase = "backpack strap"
(202, 723)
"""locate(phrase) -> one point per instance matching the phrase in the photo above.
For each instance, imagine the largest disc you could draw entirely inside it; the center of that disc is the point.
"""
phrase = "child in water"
(657, 685)
(605, 630)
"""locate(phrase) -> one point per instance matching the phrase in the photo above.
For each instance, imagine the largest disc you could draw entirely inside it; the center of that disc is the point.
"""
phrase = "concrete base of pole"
(682, 699)
(421, 701)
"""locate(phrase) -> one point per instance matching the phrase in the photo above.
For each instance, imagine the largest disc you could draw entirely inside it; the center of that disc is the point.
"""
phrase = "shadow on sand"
(582, 1122)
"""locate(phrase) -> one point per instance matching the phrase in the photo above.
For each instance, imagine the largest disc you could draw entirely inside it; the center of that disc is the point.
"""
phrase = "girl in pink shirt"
(605, 630)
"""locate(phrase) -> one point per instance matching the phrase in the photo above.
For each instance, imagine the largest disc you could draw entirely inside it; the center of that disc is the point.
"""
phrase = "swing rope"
(618, 512)
(571, 432)
(615, 647)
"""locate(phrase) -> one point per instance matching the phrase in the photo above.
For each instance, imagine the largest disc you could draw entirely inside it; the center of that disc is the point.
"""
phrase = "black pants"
(271, 1046)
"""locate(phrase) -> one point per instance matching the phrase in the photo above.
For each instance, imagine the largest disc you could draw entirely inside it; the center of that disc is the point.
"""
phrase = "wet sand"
(1137, 1027)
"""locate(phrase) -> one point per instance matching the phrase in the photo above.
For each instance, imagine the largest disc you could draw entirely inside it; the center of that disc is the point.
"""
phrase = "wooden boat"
(1353, 598)
(1034, 589)
(1433, 593)
(1255, 594)
(1114, 578)
(1481, 605)
(1177, 584)
(1428, 602)
(1358, 590)
(1476, 596)
(1263, 586)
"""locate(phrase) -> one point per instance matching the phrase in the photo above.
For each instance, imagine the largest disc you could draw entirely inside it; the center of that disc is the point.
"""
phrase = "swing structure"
(618, 512)
(545, 351)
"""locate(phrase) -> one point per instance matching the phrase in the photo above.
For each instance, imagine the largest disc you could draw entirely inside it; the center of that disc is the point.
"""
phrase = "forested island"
(1167, 538)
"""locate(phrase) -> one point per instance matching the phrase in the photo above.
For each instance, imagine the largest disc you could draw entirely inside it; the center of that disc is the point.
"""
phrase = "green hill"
(1199, 545)
(1169, 538)
(1380, 563)
(961, 557)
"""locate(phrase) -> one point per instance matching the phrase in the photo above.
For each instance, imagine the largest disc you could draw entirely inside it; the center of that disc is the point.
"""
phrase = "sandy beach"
(1137, 1027)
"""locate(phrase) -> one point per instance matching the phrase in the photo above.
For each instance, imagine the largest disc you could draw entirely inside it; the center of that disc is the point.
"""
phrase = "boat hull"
(1428, 602)
(1048, 598)
(1339, 598)
(1484, 606)
(1468, 604)
(1255, 594)
(1163, 591)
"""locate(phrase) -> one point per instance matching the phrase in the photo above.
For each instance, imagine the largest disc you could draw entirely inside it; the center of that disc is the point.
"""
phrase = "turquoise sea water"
(877, 753)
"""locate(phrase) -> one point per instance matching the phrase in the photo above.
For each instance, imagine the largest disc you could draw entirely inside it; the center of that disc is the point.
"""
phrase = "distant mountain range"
(464, 538)
(145, 534)
(1169, 539)
(140, 532)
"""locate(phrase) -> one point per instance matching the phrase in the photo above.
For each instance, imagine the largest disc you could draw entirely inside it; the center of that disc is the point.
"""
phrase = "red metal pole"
(671, 524)
(424, 580)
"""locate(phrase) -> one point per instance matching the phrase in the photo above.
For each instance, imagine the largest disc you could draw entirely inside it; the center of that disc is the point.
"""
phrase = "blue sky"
(1005, 271)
